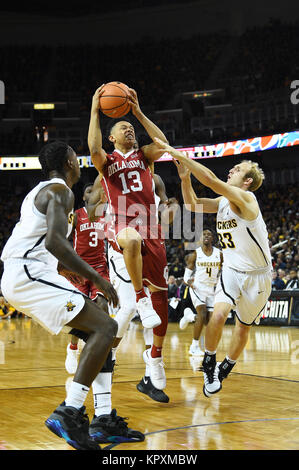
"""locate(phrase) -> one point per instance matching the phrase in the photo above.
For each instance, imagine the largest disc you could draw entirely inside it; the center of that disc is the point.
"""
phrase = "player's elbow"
(98, 159)
(53, 244)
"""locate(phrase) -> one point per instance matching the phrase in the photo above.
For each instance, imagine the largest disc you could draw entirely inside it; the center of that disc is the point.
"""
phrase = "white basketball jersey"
(244, 243)
(27, 240)
(207, 268)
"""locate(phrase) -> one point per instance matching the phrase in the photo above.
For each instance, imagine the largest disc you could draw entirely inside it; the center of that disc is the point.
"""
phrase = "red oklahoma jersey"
(128, 184)
(89, 239)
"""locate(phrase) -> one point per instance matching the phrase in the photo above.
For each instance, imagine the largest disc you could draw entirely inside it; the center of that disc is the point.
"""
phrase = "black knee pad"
(109, 364)
(80, 334)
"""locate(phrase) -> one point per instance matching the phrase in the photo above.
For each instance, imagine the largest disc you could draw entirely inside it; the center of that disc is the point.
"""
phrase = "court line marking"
(111, 446)
(134, 382)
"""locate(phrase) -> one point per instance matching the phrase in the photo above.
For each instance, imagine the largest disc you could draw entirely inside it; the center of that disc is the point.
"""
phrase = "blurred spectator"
(293, 282)
(282, 275)
(174, 297)
(172, 287)
(277, 283)
(7, 311)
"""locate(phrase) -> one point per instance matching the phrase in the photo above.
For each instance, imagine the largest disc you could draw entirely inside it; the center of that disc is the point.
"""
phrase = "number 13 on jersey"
(135, 183)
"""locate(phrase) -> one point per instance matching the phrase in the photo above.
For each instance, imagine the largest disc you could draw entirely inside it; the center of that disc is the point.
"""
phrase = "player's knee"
(133, 246)
(242, 329)
(219, 317)
(111, 327)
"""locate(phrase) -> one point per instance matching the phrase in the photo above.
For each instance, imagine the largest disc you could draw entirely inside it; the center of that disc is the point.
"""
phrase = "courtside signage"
(238, 147)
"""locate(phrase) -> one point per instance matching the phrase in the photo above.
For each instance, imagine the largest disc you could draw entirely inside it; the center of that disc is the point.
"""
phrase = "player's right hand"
(96, 97)
(183, 171)
(108, 290)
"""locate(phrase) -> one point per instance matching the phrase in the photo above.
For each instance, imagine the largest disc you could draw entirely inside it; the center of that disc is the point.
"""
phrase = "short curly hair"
(53, 156)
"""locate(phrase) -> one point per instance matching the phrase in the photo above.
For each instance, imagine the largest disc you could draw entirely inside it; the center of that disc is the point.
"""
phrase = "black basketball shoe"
(72, 425)
(113, 428)
(224, 368)
(145, 386)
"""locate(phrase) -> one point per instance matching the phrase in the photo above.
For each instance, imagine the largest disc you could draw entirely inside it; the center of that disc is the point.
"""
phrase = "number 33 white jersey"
(244, 243)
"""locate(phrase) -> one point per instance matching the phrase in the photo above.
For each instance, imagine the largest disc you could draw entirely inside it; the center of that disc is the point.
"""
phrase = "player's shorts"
(155, 269)
(203, 296)
(247, 293)
(41, 293)
(88, 288)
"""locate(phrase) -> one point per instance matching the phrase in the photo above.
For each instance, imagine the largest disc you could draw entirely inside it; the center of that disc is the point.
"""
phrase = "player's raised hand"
(108, 290)
(96, 97)
(133, 100)
(183, 171)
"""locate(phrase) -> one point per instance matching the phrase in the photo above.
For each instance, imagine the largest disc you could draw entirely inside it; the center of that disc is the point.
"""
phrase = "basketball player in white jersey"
(31, 284)
(245, 281)
(206, 260)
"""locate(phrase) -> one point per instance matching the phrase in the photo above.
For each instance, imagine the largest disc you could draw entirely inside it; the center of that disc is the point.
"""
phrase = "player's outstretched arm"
(168, 206)
(95, 199)
(238, 196)
(192, 202)
(151, 151)
(95, 141)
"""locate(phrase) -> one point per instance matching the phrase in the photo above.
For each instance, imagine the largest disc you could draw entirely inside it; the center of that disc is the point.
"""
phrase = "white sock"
(230, 360)
(101, 388)
(195, 342)
(76, 395)
(148, 336)
(211, 353)
(147, 368)
(113, 351)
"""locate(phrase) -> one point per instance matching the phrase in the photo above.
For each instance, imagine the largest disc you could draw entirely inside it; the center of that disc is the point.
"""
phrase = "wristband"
(187, 275)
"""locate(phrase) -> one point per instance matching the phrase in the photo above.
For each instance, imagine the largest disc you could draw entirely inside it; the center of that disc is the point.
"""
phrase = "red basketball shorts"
(155, 269)
(90, 289)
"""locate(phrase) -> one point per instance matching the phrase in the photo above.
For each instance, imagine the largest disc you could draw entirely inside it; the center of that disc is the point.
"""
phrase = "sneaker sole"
(101, 438)
(151, 324)
(210, 394)
(196, 355)
(55, 426)
(141, 389)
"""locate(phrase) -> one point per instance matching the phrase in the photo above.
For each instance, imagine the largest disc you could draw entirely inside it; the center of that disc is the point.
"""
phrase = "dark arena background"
(221, 79)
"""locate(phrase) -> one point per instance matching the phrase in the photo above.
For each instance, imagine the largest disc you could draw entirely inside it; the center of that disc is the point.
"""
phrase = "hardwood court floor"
(257, 409)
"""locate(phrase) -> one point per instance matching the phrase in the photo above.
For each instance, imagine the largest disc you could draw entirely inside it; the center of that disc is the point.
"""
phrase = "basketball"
(114, 100)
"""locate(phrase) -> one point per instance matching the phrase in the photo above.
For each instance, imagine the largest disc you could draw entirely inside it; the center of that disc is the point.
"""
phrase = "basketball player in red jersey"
(166, 209)
(128, 183)
(89, 244)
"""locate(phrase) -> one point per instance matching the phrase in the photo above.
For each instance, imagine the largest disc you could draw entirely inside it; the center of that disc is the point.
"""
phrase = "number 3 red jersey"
(128, 184)
(89, 239)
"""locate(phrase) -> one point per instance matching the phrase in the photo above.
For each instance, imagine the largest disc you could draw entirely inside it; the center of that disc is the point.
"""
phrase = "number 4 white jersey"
(207, 268)
(244, 243)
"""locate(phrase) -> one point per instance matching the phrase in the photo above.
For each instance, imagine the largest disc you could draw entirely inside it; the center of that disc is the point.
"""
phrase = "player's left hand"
(74, 278)
(133, 100)
(170, 201)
